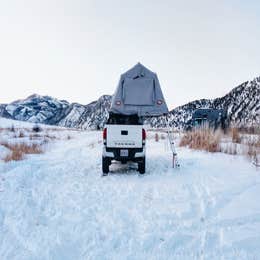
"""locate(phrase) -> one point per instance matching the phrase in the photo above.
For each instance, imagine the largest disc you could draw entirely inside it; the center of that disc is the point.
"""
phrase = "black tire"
(141, 166)
(105, 165)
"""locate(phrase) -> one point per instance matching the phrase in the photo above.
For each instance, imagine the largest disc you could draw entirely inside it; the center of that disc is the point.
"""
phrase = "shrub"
(163, 137)
(34, 136)
(256, 161)
(236, 138)
(202, 139)
(12, 129)
(19, 150)
(21, 134)
(230, 148)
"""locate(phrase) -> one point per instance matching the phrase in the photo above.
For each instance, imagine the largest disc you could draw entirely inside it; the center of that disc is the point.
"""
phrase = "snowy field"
(56, 205)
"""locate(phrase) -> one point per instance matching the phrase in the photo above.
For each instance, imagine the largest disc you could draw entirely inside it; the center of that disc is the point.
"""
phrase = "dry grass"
(235, 135)
(18, 151)
(236, 142)
(163, 137)
(251, 130)
(253, 151)
(202, 139)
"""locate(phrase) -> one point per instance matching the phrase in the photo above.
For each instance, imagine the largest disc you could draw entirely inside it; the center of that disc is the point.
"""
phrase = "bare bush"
(21, 134)
(252, 130)
(230, 148)
(35, 136)
(51, 137)
(235, 143)
(163, 137)
(12, 129)
(18, 151)
(254, 149)
(202, 139)
(256, 160)
(235, 135)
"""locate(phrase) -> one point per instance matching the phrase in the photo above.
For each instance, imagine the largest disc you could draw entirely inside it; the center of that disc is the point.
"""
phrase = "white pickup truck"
(124, 141)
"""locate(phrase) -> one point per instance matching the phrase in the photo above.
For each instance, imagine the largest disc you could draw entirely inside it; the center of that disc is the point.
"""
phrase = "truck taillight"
(105, 134)
(143, 134)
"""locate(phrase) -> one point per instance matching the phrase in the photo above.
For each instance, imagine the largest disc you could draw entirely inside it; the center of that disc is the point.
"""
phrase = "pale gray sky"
(76, 50)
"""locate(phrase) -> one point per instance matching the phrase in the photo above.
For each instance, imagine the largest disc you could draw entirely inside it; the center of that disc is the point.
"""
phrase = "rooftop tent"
(139, 92)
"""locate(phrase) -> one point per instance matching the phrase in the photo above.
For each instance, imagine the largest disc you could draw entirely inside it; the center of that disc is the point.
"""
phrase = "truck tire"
(105, 165)
(141, 166)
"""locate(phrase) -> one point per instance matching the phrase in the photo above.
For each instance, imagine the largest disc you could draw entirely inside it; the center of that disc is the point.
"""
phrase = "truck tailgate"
(124, 136)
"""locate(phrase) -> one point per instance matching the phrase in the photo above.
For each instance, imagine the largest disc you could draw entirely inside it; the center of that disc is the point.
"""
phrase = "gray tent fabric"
(139, 92)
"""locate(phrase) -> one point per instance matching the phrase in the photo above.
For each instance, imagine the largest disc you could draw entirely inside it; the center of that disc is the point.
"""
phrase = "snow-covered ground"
(56, 205)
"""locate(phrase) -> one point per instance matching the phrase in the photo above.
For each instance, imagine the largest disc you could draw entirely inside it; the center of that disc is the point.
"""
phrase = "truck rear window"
(117, 119)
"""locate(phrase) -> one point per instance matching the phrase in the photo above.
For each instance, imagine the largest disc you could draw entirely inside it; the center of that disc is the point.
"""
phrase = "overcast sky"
(76, 50)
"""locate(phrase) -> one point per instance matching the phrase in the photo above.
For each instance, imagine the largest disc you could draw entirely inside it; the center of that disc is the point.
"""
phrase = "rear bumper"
(133, 153)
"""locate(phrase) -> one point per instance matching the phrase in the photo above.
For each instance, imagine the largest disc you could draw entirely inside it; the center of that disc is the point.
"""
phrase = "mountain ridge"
(242, 104)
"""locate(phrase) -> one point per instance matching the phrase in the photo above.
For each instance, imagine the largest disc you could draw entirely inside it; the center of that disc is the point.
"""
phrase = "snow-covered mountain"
(242, 104)
(48, 110)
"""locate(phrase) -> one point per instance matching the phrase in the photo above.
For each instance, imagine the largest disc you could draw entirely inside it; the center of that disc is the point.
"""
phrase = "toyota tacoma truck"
(123, 140)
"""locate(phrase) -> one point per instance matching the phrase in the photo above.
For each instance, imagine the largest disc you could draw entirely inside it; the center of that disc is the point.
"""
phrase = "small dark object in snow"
(12, 128)
(36, 128)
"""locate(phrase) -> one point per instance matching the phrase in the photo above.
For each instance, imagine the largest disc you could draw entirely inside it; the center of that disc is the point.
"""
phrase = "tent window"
(138, 92)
